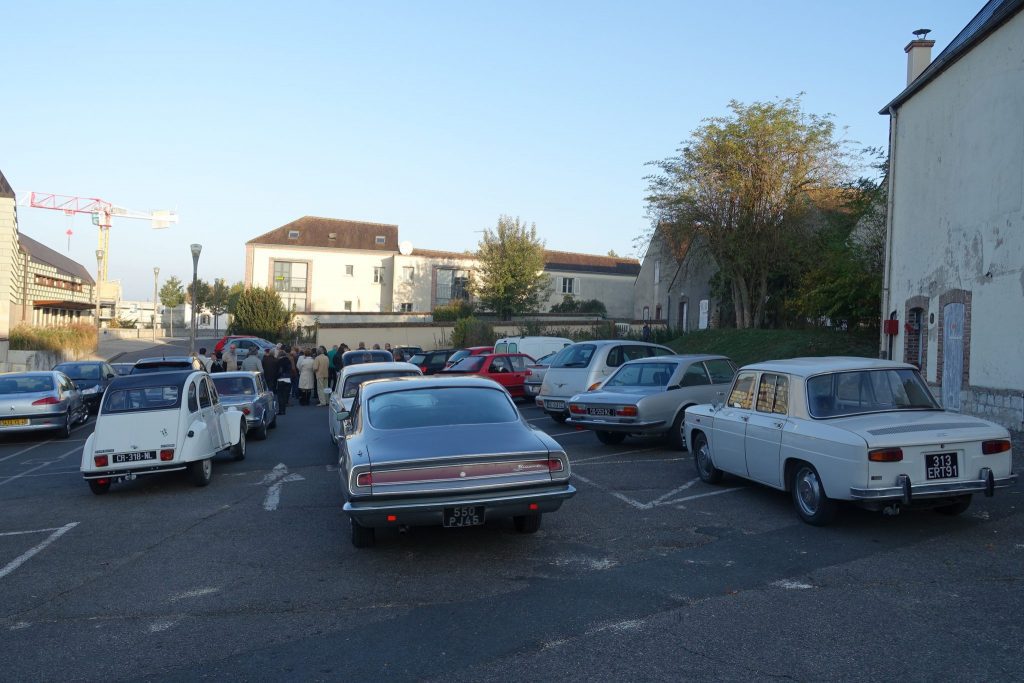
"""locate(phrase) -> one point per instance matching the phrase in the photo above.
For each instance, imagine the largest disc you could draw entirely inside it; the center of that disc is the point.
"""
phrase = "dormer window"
(293, 234)
(381, 239)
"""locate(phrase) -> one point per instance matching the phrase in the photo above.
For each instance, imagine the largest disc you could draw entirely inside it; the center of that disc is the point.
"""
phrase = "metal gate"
(952, 355)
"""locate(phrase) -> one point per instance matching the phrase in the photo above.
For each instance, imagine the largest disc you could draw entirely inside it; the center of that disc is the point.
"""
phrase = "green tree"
(218, 301)
(172, 295)
(511, 278)
(742, 185)
(261, 312)
(201, 298)
(472, 332)
(233, 295)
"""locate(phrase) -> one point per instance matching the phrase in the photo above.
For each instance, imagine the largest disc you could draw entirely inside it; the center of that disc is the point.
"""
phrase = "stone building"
(953, 296)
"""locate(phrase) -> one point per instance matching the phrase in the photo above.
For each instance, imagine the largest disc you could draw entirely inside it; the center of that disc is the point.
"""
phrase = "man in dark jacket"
(269, 369)
(284, 381)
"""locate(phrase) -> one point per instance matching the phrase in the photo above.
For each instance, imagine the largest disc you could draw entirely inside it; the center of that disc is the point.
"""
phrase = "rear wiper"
(578, 364)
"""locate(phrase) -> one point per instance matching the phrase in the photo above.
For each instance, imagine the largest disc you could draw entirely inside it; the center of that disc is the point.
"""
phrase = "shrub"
(452, 311)
(472, 332)
(78, 337)
(571, 305)
(260, 312)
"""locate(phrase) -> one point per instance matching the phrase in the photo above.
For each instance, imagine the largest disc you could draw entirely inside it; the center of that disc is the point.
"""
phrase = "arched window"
(914, 351)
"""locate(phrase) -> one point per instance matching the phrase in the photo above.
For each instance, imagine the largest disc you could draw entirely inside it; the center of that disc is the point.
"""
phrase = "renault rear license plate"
(464, 515)
(941, 466)
(554, 405)
(134, 457)
(600, 411)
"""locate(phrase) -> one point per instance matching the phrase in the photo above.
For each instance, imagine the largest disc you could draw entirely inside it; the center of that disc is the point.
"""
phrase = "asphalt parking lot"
(646, 574)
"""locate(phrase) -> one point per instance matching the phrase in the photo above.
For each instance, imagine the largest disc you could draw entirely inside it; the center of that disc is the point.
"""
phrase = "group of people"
(303, 373)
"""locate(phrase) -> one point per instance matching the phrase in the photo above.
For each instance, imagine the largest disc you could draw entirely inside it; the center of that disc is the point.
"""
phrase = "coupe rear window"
(166, 366)
(469, 364)
(26, 385)
(353, 383)
(575, 356)
(642, 375)
(867, 391)
(440, 407)
(418, 359)
(80, 370)
(234, 386)
(141, 398)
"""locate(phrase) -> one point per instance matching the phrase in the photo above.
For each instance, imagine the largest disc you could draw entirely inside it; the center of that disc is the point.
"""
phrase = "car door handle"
(745, 418)
(779, 425)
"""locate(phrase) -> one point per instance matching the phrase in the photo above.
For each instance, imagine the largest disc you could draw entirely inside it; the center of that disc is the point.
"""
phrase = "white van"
(534, 347)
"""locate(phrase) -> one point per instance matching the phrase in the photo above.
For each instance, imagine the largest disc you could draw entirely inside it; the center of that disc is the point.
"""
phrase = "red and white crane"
(102, 214)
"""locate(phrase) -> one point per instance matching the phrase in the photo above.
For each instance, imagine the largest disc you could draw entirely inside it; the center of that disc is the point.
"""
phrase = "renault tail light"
(995, 446)
(885, 455)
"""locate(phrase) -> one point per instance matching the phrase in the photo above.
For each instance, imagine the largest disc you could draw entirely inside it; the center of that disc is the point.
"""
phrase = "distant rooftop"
(5, 188)
(40, 253)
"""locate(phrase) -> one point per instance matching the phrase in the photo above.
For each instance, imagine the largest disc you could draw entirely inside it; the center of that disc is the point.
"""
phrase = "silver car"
(40, 401)
(449, 451)
(583, 366)
(248, 393)
(650, 396)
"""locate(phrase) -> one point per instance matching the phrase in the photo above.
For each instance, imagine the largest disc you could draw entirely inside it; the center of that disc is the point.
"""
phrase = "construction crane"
(102, 213)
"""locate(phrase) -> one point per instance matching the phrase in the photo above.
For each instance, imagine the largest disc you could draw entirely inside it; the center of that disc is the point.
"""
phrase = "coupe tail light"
(529, 372)
(245, 411)
(626, 411)
(423, 369)
(48, 401)
(555, 465)
(577, 409)
(534, 506)
(392, 518)
(100, 460)
(364, 479)
(167, 454)
(995, 446)
(886, 455)
(595, 385)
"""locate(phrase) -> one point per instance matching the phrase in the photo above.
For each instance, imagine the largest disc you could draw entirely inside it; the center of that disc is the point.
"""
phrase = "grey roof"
(5, 188)
(993, 15)
(40, 253)
(807, 366)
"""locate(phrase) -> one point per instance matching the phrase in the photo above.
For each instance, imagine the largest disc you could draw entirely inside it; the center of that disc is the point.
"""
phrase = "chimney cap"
(922, 33)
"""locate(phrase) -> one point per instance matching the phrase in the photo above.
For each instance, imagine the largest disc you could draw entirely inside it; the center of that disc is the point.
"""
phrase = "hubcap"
(704, 458)
(207, 467)
(808, 490)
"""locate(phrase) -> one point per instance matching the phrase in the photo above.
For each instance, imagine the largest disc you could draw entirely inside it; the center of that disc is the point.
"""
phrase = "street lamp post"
(196, 250)
(96, 292)
(156, 274)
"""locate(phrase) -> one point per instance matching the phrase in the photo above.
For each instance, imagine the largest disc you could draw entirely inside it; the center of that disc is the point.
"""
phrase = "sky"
(435, 116)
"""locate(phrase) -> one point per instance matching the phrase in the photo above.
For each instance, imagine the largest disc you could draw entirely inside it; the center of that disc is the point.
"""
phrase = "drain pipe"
(887, 281)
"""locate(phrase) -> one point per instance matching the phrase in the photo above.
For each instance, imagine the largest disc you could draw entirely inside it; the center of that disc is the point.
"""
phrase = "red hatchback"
(507, 369)
(471, 351)
(229, 338)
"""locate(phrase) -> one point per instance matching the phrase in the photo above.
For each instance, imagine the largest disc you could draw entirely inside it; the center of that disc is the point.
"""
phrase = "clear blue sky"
(437, 116)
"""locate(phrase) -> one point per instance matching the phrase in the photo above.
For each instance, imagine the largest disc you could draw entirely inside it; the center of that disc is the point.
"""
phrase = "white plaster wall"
(418, 292)
(616, 291)
(329, 287)
(958, 203)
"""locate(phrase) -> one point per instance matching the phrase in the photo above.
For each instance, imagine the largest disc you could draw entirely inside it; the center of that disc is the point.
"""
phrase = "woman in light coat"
(321, 365)
(307, 380)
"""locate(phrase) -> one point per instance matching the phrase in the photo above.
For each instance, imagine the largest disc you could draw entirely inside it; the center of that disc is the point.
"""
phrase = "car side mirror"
(672, 387)
(110, 376)
(719, 400)
(343, 415)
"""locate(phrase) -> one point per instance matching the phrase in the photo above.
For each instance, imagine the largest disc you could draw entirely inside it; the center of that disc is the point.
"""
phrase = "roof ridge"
(346, 220)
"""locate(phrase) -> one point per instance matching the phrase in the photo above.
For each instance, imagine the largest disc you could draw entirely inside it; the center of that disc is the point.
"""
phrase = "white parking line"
(613, 453)
(581, 431)
(8, 480)
(704, 495)
(587, 463)
(538, 419)
(28, 554)
(43, 443)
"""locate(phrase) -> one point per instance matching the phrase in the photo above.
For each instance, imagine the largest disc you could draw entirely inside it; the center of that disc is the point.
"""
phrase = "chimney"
(919, 54)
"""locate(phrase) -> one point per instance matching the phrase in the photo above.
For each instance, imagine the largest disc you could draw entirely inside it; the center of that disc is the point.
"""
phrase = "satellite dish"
(405, 248)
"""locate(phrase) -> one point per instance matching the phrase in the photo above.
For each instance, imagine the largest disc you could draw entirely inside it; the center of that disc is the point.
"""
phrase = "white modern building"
(953, 297)
(328, 265)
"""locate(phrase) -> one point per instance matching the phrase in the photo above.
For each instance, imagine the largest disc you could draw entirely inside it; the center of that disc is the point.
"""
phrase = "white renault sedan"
(347, 385)
(850, 429)
(160, 422)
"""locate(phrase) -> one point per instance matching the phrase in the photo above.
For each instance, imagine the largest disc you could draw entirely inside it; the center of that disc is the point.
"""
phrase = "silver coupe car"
(40, 401)
(449, 451)
(650, 396)
(248, 393)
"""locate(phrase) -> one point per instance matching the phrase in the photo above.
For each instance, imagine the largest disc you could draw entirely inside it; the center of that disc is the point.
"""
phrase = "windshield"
(457, 356)
(642, 375)
(575, 356)
(353, 383)
(80, 370)
(868, 391)
(468, 364)
(545, 359)
(440, 407)
(234, 386)
(418, 359)
(26, 384)
(141, 398)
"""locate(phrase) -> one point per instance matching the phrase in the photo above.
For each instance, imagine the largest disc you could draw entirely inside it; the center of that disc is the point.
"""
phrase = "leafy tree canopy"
(511, 279)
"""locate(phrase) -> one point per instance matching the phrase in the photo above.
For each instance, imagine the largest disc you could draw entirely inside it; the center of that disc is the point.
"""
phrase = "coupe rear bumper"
(627, 427)
(906, 492)
(430, 511)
